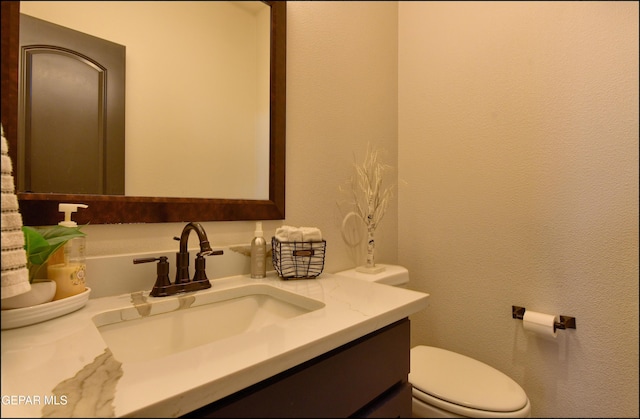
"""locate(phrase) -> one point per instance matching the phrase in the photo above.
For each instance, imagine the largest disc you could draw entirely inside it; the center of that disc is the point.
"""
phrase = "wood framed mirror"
(42, 208)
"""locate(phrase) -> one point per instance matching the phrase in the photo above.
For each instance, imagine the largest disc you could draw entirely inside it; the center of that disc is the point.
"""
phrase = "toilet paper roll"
(540, 323)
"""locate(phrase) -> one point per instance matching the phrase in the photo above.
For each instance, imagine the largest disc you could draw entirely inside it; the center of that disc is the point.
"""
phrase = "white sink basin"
(157, 327)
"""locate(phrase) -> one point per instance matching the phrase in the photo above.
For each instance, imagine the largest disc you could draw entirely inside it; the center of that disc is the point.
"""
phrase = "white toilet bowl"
(446, 384)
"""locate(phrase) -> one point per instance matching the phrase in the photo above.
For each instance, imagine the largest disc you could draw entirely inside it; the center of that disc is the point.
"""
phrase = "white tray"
(19, 317)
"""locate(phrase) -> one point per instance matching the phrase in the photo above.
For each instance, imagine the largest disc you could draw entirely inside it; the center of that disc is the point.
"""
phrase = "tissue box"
(298, 259)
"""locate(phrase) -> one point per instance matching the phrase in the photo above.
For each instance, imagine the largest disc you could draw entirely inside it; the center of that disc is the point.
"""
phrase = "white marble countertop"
(63, 368)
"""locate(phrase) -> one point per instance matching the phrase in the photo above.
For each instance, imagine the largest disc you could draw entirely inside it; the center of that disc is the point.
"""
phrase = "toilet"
(446, 384)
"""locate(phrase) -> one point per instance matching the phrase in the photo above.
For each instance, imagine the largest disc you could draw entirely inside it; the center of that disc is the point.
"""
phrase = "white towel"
(15, 276)
(283, 233)
(298, 234)
(11, 219)
(7, 183)
(13, 259)
(311, 234)
(12, 240)
(295, 235)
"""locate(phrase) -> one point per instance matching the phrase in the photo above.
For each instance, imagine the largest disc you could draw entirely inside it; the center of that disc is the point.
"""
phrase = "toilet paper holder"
(565, 322)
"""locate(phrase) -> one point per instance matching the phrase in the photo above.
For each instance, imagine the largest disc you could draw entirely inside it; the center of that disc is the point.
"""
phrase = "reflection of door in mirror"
(71, 111)
(197, 92)
(42, 208)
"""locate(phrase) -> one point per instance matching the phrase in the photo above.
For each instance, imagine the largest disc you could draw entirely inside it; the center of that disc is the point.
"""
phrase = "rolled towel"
(8, 184)
(12, 240)
(295, 235)
(282, 233)
(13, 259)
(11, 221)
(9, 202)
(15, 276)
(7, 166)
(15, 282)
(311, 234)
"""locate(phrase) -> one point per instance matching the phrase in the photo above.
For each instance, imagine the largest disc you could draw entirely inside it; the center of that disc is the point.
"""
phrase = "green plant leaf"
(61, 234)
(35, 245)
(41, 244)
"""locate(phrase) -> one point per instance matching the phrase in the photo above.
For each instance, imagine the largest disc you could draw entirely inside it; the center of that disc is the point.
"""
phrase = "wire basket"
(298, 259)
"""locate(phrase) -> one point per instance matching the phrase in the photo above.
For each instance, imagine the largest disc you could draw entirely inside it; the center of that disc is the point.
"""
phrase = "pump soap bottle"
(258, 253)
(67, 265)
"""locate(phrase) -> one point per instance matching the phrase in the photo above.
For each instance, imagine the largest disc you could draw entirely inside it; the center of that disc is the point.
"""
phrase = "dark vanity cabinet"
(364, 378)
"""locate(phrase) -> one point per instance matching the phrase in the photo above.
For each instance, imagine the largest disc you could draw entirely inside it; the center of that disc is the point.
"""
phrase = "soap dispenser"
(258, 253)
(67, 265)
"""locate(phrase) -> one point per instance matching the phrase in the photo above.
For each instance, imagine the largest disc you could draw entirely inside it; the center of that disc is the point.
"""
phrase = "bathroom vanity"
(364, 378)
(347, 354)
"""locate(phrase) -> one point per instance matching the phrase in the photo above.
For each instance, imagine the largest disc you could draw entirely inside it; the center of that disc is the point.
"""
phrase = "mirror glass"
(42, 208)
(196, 91)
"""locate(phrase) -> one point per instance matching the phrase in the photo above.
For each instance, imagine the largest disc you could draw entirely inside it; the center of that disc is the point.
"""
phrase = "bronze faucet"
(163, 286)
(182, 257)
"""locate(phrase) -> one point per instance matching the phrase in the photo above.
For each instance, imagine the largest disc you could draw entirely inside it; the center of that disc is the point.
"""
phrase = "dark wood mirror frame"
(42, 209)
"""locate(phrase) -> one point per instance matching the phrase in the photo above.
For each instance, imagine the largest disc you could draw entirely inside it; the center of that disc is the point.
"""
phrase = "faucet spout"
(182, 257)
(205, 247)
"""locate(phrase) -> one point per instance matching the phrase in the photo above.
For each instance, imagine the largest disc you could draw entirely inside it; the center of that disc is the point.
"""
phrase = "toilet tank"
(392, 275)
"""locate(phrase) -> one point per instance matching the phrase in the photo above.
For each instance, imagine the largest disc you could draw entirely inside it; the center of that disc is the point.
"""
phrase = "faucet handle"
(162, 279)
(201, 273)
(210, 253)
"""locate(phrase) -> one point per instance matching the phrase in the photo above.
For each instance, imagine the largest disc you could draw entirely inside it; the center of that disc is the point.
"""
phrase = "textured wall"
(341, 95)
(518, 142)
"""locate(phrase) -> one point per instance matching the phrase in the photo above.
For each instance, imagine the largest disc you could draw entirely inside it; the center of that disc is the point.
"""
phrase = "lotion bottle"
(258, 253)
(67, 265)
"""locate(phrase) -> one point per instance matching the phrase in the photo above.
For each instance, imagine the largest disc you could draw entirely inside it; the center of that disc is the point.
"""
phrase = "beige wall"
(518, 140)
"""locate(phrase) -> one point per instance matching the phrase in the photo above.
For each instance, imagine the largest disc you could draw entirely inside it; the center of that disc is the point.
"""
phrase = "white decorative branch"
(369, 198)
